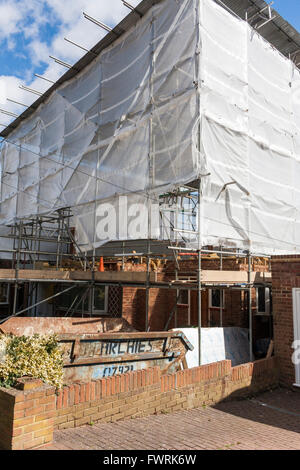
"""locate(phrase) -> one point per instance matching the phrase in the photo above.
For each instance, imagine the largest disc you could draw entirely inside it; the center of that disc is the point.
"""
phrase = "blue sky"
(290, 10)
(31, 30)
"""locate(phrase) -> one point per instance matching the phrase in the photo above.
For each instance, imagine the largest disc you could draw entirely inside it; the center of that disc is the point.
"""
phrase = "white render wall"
(131, 122)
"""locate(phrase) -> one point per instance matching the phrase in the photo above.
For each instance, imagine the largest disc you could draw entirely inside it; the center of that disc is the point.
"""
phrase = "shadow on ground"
(279, 408)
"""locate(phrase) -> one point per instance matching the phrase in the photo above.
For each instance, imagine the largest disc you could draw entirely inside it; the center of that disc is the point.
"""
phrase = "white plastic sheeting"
(131, 122)
(218, 344)
(250, 137)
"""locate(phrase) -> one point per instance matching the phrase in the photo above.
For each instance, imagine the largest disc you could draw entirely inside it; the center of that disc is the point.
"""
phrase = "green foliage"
(37, 356)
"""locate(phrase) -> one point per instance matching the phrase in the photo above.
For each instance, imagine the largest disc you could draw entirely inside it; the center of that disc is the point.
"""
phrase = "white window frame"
(185, 305)
(7, 293)
(267, 310)
(210, 299)
(188, 300)
(101, 312)
(89, 310)
(296, 326)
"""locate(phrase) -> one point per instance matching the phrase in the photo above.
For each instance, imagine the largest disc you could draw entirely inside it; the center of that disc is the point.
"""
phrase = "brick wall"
(162, 301)
(285, 276)
(146, 392)
(27, 419)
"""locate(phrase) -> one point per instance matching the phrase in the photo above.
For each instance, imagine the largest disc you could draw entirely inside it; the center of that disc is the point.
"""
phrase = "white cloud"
(2, 92)
(10, 16)
(39, 52)
(18, 16)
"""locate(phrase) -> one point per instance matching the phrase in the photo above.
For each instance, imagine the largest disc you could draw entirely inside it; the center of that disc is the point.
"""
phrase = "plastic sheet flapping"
(127, 129)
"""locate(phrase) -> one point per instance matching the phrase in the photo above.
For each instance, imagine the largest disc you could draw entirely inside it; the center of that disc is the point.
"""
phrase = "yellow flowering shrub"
(37, 356)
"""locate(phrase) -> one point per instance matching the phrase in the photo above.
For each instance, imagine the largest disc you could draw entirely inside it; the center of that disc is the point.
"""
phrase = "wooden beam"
(207, 276)
(48, 274)
(27, 274)
(115, 276)
(233, 277)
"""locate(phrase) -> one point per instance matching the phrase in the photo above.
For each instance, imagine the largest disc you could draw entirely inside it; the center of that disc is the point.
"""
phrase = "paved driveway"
(270, 421)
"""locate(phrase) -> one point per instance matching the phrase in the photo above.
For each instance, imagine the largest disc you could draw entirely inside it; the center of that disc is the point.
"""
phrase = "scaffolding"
(47, 238)
(31, 239)
(182, 140)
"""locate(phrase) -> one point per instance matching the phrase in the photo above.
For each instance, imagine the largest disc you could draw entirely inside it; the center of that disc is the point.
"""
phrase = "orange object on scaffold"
(101, 265)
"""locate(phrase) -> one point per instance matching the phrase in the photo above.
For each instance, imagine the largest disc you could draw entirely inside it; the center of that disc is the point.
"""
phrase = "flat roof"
(278, 32)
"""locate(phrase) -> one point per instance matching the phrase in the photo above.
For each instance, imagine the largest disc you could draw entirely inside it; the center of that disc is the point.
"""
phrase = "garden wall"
(28, 418)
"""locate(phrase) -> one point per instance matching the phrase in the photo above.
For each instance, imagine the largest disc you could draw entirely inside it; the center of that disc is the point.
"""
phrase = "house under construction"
(153, 182)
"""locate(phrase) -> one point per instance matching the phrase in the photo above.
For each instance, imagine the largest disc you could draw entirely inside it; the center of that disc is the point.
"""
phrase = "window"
(263, 300)
(100, 299)
(74, 298)
(183, 297)
(215, 298)
(4, 293)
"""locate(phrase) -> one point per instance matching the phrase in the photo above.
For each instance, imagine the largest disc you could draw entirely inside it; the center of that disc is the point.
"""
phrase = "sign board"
(88, 357)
